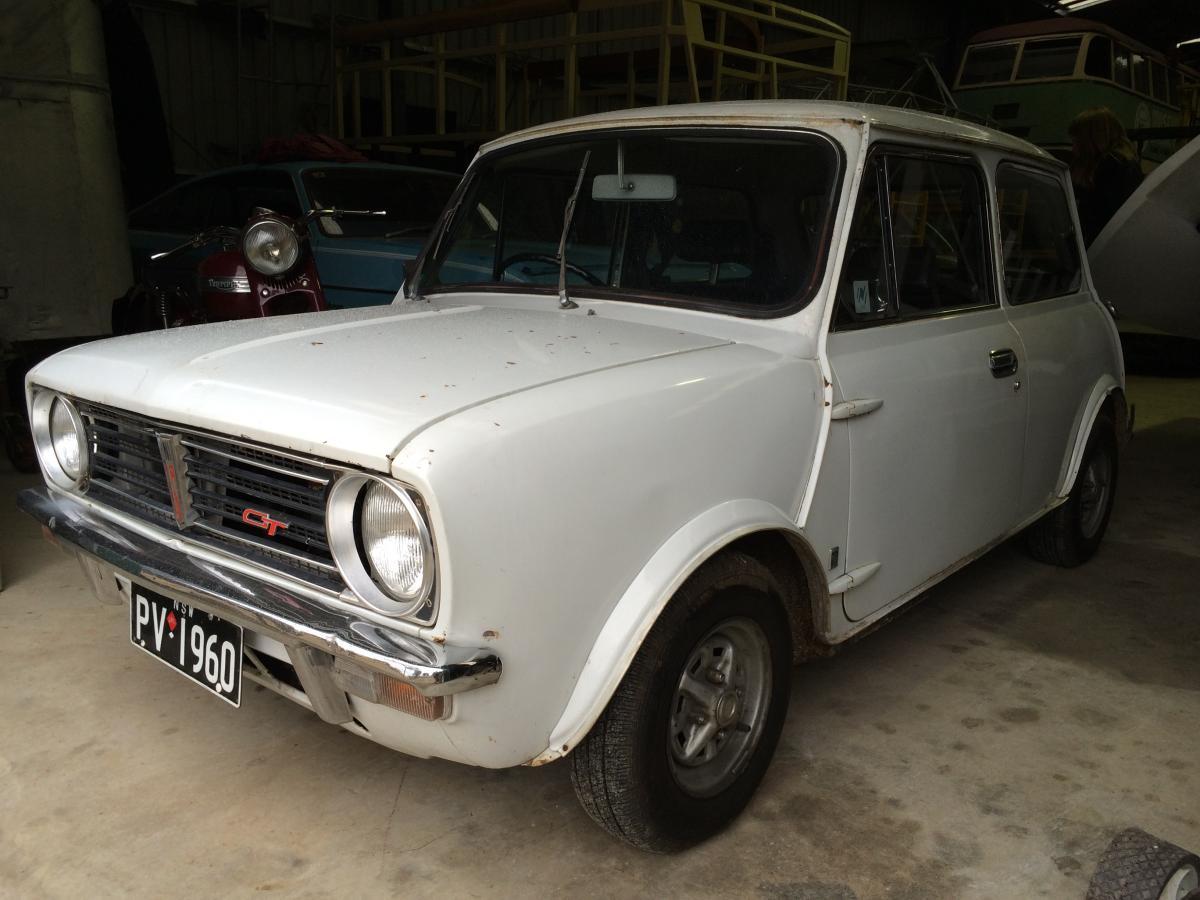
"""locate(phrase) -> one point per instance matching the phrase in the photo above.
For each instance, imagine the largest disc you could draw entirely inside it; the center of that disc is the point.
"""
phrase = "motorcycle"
(265, 268)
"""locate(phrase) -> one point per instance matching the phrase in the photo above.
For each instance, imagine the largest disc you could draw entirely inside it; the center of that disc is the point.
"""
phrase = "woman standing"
(1104, 168)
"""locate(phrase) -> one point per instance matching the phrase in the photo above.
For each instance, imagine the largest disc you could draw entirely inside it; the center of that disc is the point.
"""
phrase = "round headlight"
(60, 438)
(271, 247)
(381, 543)
(392, 542)
(67, 438)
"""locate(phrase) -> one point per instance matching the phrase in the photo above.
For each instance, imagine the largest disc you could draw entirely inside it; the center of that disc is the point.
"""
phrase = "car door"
(926, 378)
(1064, 332)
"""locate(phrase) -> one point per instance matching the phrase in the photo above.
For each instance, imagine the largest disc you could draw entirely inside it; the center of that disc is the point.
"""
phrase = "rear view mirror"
(633, 187)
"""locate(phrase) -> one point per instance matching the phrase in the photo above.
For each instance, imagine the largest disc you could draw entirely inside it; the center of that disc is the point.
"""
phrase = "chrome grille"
(225, 481)
(126, 468)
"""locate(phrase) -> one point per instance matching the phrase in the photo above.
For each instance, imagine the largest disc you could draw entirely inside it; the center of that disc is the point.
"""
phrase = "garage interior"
(988, 743)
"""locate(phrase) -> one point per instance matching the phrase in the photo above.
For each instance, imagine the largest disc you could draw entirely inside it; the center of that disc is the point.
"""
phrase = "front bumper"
(313, 633)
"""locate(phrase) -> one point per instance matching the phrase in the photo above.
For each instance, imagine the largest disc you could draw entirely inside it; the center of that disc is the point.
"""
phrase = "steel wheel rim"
(1094, 486)
(719, 707)
(1183, 882)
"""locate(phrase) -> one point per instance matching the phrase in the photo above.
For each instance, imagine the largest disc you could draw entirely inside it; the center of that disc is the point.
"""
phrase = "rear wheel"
(1069, 535)
(689, 732)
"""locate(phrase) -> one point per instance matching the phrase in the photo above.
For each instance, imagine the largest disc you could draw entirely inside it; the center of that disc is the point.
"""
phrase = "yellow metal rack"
(464, 75)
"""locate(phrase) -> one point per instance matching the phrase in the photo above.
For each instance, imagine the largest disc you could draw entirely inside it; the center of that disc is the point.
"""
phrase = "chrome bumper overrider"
(313, 633)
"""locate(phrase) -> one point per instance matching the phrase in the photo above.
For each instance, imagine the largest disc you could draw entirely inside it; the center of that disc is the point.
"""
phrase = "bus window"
(1099, 58)
(1121, 66)
(1158, 73)
(988, 64)
(1141, 73)
(1049, 59)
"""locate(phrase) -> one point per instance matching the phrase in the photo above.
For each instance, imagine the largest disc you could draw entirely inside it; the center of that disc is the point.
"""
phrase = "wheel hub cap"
(727, 709)
(719, 707)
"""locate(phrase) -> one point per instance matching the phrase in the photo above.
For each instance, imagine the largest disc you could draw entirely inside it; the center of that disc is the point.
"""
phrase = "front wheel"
(1138, 865)
(1069, 535)
(688, 734)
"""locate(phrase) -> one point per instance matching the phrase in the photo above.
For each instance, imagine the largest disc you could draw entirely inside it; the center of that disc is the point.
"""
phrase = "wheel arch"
(1107, 397)
(756, 528)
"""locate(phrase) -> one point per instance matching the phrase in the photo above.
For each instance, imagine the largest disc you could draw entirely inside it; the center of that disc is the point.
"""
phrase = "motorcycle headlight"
(381, 543)
(271, 247)
(61, 439)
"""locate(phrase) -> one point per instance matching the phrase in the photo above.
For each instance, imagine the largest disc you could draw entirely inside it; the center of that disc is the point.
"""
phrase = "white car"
(676, 397)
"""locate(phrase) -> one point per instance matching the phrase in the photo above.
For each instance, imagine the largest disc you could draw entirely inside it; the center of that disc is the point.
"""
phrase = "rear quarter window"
(1038, 235)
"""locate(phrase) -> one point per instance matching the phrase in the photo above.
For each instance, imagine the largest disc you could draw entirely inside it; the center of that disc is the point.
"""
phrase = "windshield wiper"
(565, 302)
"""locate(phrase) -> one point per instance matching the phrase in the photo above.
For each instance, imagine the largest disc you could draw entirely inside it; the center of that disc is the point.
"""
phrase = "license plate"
(205, 648)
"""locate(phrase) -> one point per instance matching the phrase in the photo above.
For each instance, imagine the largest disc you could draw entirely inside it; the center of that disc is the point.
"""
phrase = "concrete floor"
(987, 744)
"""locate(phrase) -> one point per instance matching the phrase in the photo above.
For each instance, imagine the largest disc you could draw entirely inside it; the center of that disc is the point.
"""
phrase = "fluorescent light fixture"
(1073, 5)
(1195, 40)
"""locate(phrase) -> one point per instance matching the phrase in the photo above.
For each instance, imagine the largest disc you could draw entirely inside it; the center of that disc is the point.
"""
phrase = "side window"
(932, 234)
(1121, 73)
(1158, 75)
(939, 235)
(988, 64)
(236, 195)
(1099, 58)
(863, 293)
(270, 190)
(1141, 74)
(1049, 59)
(220, 209)
(1041, 253)
(192, 212)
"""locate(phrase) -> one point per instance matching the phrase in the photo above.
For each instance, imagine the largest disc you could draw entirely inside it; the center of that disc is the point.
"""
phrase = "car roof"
(300, 166)
(797, 113)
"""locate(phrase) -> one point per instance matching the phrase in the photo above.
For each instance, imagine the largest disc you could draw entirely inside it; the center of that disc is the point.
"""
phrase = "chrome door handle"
(1002, 363)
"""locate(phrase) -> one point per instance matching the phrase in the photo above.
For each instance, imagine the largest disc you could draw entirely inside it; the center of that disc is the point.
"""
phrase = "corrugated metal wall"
(193, 43)
(194, 47)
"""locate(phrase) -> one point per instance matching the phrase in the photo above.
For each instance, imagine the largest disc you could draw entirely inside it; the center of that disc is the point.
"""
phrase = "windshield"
(740, 222)
(412, 201)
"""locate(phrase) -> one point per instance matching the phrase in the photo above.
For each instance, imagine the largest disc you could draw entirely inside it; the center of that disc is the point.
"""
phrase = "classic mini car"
(677, 397)
(360, 259)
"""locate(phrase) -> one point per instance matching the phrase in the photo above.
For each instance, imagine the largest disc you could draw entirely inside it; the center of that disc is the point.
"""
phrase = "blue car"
(360, 260)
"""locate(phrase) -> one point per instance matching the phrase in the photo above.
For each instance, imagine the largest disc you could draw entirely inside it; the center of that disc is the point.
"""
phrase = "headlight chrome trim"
(43, 440)
(294, 248)
(342, 526)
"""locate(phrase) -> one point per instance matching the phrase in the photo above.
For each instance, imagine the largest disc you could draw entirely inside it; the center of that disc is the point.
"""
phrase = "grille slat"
(224, 479)
(125, 500)
(137, 478)
(266, 487)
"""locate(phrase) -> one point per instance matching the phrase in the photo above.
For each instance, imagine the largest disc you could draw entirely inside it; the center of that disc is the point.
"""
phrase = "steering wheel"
(552, 260)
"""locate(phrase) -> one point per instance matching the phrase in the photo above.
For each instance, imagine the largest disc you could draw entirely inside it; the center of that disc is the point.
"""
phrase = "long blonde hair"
(1097, 133)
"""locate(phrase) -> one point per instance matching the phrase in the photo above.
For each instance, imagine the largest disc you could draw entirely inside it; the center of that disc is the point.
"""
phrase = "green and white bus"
(1032, 79)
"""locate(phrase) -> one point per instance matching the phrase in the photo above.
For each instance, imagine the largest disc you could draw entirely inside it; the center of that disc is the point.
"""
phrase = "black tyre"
(1070, 534)
(1139, 866)
(689, 732)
